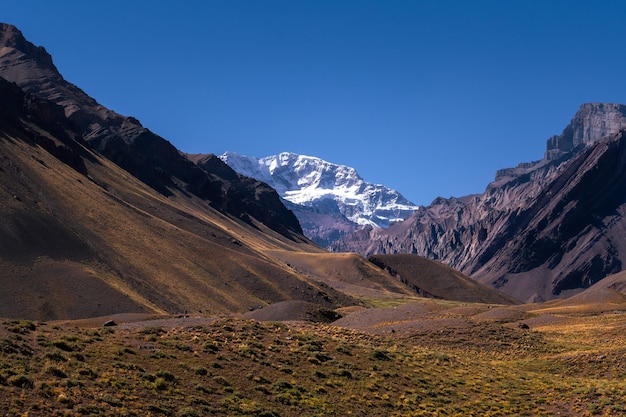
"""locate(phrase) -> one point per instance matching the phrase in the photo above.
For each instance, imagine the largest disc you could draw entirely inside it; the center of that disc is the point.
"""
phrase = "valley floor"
(425, 358)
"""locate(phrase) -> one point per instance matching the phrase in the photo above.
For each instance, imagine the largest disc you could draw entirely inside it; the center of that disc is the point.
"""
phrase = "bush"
(53, 370)
(166, 376)
(380, 355)
(221, 380)
(21, 326)
(63, 345)
(56, 357)
(344, 350)
(21, 381)
(156, 331)
(201, 371)
(210, 347)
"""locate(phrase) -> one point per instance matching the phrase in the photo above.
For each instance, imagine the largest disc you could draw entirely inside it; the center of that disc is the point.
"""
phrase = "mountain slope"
(330, 200)
(540, 230)
(126, 142)
(95, 240)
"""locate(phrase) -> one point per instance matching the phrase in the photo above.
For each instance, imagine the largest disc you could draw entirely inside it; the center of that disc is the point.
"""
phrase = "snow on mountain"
(326, 187)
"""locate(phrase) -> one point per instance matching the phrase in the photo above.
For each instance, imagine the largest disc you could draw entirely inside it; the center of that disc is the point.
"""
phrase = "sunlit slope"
(75, 245)
(349, 273)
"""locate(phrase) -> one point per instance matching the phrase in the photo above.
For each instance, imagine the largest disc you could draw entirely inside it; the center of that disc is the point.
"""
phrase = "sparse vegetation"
(239, 367)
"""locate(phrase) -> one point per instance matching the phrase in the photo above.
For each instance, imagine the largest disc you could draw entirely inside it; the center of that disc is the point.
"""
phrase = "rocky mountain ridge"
(330, 200)
(540, 230)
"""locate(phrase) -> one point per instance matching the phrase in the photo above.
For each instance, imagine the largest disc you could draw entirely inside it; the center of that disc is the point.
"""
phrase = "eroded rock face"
(540, 230)
(592, 122)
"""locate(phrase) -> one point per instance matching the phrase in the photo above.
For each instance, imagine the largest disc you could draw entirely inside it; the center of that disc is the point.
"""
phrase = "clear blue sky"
(427, 97)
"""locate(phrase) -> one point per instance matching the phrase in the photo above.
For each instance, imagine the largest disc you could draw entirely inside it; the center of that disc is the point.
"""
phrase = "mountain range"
(541, 230)
(101, 216)
(329, 200)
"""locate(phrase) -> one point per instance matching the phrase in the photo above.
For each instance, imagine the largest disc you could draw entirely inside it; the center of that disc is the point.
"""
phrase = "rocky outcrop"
(592, 122)
(126, 142)
(541, 230)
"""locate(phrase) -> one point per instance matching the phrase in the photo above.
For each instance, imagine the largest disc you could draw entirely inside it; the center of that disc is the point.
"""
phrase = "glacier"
(325, 187)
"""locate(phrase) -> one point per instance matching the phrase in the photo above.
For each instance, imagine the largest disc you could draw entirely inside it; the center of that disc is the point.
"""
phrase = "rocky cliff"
(592, 122)
(541, 230)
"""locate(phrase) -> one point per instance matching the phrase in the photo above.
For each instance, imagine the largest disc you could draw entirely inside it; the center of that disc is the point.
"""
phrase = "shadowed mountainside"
(82, 237)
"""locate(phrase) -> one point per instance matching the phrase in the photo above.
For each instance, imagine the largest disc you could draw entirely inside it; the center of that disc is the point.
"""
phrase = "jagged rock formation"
(126, 142)
(329, 200)
(541, 230)
(592, 122)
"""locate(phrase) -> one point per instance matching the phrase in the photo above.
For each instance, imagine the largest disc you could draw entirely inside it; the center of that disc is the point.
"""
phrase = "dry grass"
(244, 367)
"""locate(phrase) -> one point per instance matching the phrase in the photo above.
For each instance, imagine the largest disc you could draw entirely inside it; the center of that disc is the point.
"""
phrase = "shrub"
(380, 355)
(160, 384)
(221, 380)
(21, 381)
(21, 326)
(45, 390)
(322, 357)
(53, 370)
(148, 331)
(344, 350)
(56, 357)
(205, 390)
(63, 345)
(43, 341)
(344, 373)
(87, 372)
(168, 376)
(210, 347)
(282, 386)
(201, 371)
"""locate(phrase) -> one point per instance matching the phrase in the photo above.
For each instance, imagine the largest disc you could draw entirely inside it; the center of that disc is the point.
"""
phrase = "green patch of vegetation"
(389, 302)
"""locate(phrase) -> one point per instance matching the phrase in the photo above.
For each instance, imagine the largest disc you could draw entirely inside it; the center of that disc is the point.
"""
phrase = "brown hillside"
(435, 280)
(349, 273)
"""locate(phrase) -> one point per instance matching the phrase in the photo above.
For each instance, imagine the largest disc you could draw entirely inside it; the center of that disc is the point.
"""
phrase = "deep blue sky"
(427, 97)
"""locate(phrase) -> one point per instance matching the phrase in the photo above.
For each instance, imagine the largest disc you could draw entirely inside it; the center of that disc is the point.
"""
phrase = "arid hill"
(433, 279)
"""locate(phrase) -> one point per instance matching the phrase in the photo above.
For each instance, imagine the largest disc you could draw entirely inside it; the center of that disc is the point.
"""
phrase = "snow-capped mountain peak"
(326, 187)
